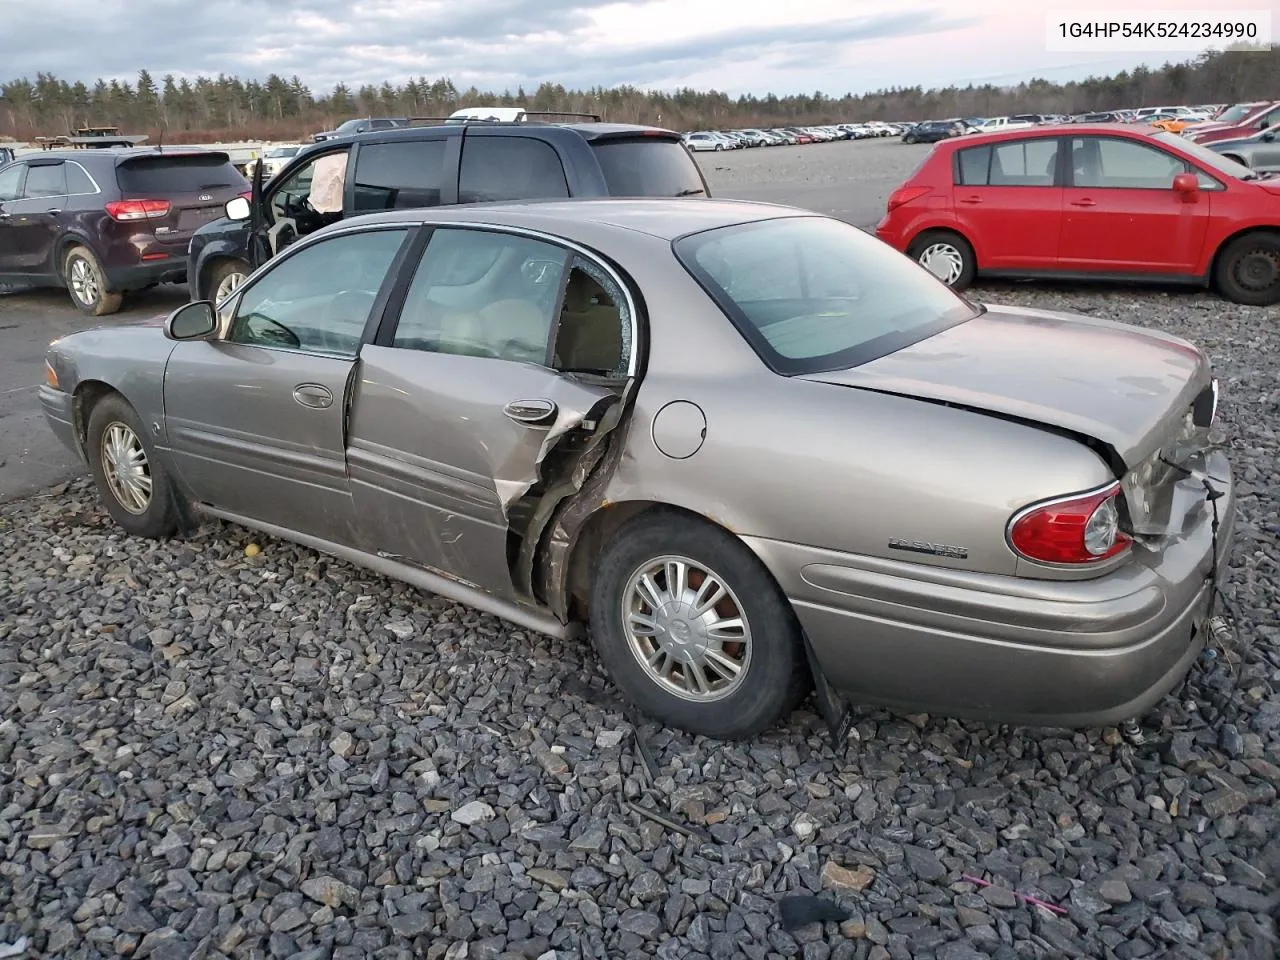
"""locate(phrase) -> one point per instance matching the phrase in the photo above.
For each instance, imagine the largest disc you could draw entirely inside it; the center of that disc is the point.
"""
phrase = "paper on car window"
(326, 183)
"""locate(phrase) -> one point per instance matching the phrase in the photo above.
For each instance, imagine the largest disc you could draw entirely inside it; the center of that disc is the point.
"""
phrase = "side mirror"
(1187, 184)
(238, 208)
(1268, 137)
(192, 321)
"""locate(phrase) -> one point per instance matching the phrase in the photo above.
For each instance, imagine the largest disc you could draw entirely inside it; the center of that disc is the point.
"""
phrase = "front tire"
(226, 277)
(133, 484)
(694, 630)
(947, 255)
(1248, 269)
(87, 283)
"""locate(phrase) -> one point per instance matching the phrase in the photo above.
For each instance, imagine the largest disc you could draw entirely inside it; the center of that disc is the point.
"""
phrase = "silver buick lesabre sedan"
(730, 439)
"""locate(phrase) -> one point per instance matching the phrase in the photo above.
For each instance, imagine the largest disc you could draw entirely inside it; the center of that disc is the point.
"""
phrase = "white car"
(1001, 124)
(709, 141)
(275, 158)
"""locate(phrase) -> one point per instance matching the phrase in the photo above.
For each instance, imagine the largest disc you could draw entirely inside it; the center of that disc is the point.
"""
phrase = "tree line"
(183, 110)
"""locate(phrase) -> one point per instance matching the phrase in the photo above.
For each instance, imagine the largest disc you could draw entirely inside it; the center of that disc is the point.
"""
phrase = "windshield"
(812, 294)
(1234, 114)
(648, 167)
(1209, 158)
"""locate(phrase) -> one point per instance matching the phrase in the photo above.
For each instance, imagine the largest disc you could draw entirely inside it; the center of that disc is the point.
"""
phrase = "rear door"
(475, 400)
(180, 191)
(1008, 202)
(1121, 214)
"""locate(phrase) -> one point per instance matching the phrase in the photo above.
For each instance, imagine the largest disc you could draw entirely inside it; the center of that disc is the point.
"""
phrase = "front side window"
(45, 180)
(393, 176)
(509, 168)
(483, 293)
(319, 299)
(813, 294)
(1111, 163)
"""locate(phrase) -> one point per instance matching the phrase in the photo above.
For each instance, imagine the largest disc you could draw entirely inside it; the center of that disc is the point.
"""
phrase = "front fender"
(226, 243)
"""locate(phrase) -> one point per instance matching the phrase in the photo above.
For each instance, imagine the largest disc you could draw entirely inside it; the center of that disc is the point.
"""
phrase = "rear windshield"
(812, 294)
(160, 175)
(648, 167)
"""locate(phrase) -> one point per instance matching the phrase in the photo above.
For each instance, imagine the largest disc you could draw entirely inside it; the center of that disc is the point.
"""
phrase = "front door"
(506, 352)
(1008, 201)
(257, 419)
(1121, 213)
(34, 218)
(10, 191)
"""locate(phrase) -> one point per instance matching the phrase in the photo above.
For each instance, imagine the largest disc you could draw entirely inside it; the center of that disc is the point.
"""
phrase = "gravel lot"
(206, 754)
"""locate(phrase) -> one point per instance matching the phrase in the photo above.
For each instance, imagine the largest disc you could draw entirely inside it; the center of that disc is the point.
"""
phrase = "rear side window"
(162, 175)
(648, 167)
(1018, 163)
(509, 168)
(393, 176)
(77, 180)
(10, 177)
(46, 180)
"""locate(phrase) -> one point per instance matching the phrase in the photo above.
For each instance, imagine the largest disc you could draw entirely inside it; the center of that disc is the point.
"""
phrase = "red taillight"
(905, 195)
(137, 209)
(1072, 530)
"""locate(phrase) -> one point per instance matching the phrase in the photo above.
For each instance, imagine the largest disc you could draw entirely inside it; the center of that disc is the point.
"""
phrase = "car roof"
(664, 218)
(118, 154)
(1051, 129)
(589, 131)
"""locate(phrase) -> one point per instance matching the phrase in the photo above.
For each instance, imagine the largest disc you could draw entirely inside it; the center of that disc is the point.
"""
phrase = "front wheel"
(225, 277)
(947, 255)
(1248, 269)
(694, 630)
(133, 485)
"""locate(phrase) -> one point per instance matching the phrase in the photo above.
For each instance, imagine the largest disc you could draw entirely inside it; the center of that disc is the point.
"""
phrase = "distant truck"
(6, 155)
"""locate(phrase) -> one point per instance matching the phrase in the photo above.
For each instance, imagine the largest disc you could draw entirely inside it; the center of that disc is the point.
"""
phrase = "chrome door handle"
(530, 411)
(313, 395)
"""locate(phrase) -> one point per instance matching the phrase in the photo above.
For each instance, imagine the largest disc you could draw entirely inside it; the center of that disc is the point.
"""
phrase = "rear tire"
(134, 485)
(642, 609)
(87, 283)
(947, 255)
(1248, 269)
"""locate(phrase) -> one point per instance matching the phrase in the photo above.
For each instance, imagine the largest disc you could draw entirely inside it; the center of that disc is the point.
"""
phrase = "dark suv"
(445, 164)
(107, 221)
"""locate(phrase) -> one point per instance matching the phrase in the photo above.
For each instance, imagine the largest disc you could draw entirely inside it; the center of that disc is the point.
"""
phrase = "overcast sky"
(738, 46)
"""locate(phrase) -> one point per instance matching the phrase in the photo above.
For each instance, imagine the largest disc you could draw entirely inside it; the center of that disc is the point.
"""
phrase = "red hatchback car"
(1104, 201)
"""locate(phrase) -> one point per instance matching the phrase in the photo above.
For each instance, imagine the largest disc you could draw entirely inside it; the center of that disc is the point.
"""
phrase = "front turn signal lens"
(50, 375)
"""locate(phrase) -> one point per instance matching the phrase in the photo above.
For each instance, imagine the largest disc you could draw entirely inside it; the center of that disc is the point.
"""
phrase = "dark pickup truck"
(423, 166)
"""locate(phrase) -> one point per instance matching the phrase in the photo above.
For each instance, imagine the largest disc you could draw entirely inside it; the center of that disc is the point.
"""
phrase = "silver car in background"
(720, 435)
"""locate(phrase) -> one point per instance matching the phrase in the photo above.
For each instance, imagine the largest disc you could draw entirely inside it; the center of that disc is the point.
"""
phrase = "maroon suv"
(107, 221)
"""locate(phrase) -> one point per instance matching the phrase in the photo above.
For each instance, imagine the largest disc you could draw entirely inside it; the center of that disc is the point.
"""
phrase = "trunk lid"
(196, 185)
(1127, 388)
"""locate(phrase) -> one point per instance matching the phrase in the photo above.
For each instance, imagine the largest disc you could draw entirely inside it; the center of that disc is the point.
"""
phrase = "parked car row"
(106, 222)
(717, 140)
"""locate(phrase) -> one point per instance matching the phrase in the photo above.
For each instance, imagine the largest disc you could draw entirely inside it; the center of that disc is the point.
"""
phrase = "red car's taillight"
(905, 195)
(1083, 528)
(126, 210)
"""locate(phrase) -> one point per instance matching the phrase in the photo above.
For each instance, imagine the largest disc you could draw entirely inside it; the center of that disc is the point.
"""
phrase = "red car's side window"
(1108, 162)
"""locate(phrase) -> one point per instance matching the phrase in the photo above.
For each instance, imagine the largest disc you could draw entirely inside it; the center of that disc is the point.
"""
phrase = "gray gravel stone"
(206, 754)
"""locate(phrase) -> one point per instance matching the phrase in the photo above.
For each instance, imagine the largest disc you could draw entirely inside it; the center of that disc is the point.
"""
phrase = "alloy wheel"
(125, 468)
(686, 628)
(944, 261)
(84, 282)
(227, 285)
